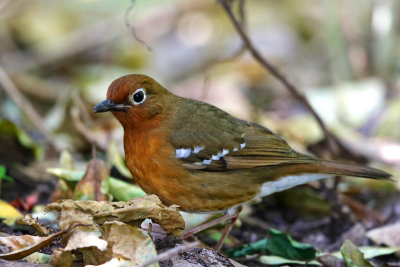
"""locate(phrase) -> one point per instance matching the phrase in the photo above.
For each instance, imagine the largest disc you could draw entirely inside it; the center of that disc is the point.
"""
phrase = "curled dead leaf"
(133, 212)
(40, 229)
(24, 245)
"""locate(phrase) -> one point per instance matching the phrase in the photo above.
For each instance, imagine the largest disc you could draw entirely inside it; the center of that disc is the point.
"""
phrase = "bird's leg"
(228, 227)
(229, 214)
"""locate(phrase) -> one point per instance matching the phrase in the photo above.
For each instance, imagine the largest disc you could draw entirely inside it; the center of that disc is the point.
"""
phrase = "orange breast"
(151, 160)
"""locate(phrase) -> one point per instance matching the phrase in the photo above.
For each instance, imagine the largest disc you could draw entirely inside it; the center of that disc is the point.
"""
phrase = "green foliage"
(279, 244)
(4, 176)
(352, 256)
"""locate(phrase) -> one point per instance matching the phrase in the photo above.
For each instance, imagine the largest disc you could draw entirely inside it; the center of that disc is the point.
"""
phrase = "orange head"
(135, 99)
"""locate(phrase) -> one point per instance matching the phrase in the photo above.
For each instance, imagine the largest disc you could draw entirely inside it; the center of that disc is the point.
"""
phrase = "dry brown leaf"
(94, 184)
(86, 239)
(133, 212)
(109, 232)
(40, 229)
(61, 258)
(128, 242)
(388, 235)
(25, 245)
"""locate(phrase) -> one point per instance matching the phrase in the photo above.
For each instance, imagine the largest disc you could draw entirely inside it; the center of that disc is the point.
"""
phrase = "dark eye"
(138, 96)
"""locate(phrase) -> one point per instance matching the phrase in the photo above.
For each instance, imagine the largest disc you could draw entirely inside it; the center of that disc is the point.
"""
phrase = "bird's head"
(135, 99)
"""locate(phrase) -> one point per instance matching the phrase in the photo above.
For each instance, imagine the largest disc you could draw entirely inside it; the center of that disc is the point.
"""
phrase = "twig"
(130, 26)
(169, 253)
(243, 24)
(11, 89)
(332, 141)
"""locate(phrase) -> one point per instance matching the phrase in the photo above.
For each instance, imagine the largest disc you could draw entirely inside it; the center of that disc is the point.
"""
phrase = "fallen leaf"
(128, 242)
(282, 244)
(133, 212)
(372, 252)
(66, 174)
(116, 159)
(85, 239)
(38, 258)
(29, 220)
(120, 190)
(352, 256)
(61, 258)
(24, 245)
(8, 212)
(279, 244)
(110, 230)
(123, 191)
(276, 260)
(388, 235)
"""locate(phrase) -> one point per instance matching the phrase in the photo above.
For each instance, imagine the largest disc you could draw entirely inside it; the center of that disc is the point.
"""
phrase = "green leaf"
(372, 252)
(123, 191)
(253, 248)
(116, 159)
(120, 190)
(4, 176)
(66, 174)
(352, 256)
(276, 260)
(38, 258)
(282, 244)
(278, 244)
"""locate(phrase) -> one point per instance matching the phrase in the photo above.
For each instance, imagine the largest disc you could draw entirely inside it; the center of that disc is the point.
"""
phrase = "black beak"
(108, 105)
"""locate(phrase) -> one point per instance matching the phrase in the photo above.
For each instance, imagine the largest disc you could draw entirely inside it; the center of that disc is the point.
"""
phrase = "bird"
(199, 157)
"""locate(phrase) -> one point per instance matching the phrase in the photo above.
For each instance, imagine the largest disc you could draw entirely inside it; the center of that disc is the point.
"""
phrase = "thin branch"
(169, 253)
(243, 24)
(11, 89)
(130, 26)
(332, 141)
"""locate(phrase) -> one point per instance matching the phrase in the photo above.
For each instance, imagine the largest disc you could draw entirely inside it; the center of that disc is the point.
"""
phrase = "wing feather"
(227, 143)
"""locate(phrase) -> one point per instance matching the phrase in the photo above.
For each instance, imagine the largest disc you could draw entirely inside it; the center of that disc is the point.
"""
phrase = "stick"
(332, 141)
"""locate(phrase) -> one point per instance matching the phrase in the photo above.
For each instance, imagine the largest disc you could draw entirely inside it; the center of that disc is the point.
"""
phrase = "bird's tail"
(340, 168)
(292, 175)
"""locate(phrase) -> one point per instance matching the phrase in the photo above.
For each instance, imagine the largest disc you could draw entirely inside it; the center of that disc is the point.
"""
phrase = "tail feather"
(288, 176)
(340, 168)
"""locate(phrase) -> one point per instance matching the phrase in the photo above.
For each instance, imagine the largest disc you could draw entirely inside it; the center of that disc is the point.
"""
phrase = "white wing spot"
(197, 149)
(242, 145)
(207, 161)
(225, 152)
(235, 149)
(182, 152)
(213, 157)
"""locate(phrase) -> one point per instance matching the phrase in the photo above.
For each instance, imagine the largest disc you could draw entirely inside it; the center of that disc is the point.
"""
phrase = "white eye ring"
(139, 96)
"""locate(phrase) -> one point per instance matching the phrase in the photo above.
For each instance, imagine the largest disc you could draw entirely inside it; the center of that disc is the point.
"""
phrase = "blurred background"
(57, 59)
